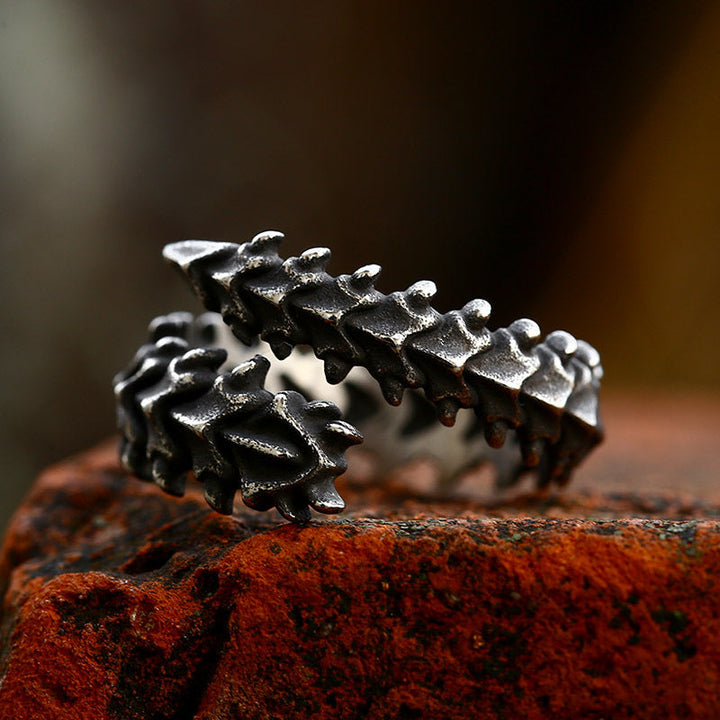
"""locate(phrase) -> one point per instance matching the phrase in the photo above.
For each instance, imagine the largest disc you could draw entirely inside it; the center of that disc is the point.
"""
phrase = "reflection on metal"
(177, 412)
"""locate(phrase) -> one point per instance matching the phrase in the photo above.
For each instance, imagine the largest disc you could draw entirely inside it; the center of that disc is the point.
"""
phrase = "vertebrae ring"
(179, 411)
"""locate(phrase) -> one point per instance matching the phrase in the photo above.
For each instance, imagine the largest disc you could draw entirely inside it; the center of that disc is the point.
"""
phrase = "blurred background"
(560, 159)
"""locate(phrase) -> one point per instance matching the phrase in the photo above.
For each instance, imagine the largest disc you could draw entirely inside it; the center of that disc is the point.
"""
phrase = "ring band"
(544, 392)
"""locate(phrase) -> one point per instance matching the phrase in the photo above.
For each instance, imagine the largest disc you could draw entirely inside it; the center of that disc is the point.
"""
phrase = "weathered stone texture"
(122, 602)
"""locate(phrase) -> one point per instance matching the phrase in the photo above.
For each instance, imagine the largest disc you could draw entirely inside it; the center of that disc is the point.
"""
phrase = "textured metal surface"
(543, 391)
(178, 412)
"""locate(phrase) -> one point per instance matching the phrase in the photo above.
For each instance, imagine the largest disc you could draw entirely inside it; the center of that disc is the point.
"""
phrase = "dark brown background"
(560, 159)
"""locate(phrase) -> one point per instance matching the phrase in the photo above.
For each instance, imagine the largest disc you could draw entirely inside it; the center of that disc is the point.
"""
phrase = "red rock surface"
(122, 602)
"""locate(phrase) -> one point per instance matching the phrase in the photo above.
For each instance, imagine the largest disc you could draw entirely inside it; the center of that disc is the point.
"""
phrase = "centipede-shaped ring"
(178, 411)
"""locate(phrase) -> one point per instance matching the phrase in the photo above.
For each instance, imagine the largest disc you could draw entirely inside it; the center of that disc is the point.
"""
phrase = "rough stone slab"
(122, 602)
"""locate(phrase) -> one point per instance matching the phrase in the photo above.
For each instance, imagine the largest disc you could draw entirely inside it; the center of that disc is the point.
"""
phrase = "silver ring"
(541, 393)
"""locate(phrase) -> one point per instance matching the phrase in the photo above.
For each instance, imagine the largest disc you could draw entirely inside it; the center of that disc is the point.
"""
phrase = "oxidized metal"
(543, 393)
(177, 413)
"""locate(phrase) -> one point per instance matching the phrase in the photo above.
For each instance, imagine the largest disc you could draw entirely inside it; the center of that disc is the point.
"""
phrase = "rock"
(123, 602)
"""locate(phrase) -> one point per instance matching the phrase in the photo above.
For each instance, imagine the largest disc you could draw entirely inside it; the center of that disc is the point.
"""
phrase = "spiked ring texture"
(178, 411)
(545, 391)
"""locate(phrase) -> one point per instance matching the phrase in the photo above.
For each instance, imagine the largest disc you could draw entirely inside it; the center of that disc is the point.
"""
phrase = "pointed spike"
(252, 371)
(217, 494)
(281, 349)
(447, 410)
(199, 358)
(292, 511)
(323, 408)
(167, 478)
(315, 258)
(420, 293)
(175, 324)
(365, 277)
(186, 252)
(326, 499)
(173, 485)
(563, 343)
(476, 313)
(587, 354)
(495, 433)
(345, 431)
(526, 332)
(336, 369)
(267, 240)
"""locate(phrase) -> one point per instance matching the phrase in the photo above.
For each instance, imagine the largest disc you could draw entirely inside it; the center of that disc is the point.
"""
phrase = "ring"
(177, 411)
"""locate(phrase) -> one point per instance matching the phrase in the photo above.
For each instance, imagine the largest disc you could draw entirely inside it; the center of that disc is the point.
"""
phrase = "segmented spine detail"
(177, 413)
(544, 390)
